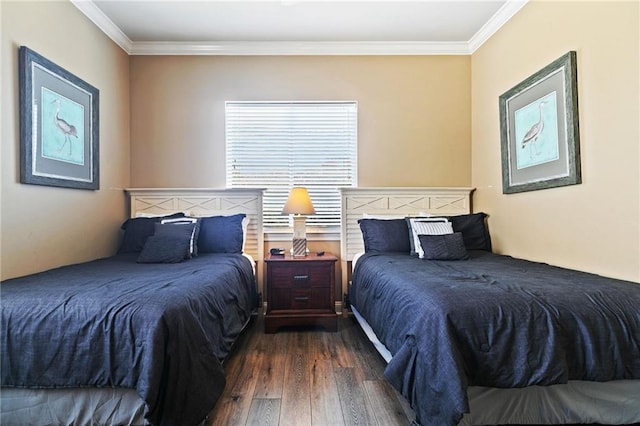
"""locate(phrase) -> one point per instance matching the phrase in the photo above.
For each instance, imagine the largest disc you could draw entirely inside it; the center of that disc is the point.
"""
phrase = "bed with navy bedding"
(87, 343)
(486, 338)
(493, 321)
(162, 329)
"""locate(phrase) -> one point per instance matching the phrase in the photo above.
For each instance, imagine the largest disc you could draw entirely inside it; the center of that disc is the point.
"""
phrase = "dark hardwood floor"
(307, 376)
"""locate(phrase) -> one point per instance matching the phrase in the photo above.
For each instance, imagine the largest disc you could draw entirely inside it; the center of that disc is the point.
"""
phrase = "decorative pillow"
(164, 249)
(413, 237)
(385, 235)
(443, 247)
(193, 244)
(184, 231)
(221, 234)
(474, 230)
(428, 226)
(137, 230)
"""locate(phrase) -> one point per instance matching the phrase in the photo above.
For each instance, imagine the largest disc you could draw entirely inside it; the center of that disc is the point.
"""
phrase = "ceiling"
(271, 27)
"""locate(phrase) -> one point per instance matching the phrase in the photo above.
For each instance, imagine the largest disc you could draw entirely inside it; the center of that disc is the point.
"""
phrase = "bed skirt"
(103, 406)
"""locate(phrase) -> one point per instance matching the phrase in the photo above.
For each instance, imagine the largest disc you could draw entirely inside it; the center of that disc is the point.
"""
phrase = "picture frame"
(59, 125)
(539, 129)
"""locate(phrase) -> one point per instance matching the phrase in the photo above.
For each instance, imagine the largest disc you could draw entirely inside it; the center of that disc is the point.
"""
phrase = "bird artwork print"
(65, 127)
(534, 132)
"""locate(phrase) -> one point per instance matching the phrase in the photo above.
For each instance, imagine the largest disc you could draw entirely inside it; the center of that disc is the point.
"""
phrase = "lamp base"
(299, 248)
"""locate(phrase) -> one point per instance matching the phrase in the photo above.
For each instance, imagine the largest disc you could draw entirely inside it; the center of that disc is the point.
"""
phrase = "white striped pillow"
(428, 226)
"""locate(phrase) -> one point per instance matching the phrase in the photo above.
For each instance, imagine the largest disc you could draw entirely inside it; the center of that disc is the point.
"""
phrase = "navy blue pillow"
(193, 244)
(443, 247)
(221, 234)
(183, 232)
(138, 229)
(474, 230)
(164, 249)
(385, 235)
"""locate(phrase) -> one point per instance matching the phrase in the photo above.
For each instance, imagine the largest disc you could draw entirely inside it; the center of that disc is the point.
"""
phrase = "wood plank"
(264, 412)
(233, 406)
(368, 363)
(296, 400)
(340, 354)
(325, 400)
(388, 410)
(271, 377)
(321, 347)
(300, 341)
(279, 342)
(355, 407)
(254, 340)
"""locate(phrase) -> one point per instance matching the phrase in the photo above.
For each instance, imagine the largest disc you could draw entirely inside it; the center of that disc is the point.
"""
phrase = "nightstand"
(301, 291)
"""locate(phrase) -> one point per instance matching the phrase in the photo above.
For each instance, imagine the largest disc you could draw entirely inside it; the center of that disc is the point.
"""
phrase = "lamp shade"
(298, 202)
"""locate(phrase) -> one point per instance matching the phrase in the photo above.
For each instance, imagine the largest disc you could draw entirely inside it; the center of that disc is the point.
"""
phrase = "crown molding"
(105, 24)
(257, 48)
(501, 17)
(300, 48)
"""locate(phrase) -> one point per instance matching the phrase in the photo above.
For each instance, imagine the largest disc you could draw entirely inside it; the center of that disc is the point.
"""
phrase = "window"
(278, 145)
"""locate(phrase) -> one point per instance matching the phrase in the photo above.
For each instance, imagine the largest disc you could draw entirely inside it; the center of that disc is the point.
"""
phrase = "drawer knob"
(301, 277)
(302, 299)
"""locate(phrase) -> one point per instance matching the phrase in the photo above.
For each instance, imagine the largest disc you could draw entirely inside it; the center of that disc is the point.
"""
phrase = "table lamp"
(299, 204)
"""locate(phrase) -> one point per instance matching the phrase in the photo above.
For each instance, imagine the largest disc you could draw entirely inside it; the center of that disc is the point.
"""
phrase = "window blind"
(279, 145)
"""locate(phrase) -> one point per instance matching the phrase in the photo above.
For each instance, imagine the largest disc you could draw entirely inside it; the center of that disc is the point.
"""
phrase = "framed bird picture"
(59, 126)
(539, 132)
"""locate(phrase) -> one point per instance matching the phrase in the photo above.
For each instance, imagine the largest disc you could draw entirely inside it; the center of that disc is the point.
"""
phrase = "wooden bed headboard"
(205, 202)
(395, 202)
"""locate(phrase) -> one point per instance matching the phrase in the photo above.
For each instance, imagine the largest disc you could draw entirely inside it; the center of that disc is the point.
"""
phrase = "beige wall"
(414, 113)
(44, 227)
(593, 226)
(429, 120)
(414, 116)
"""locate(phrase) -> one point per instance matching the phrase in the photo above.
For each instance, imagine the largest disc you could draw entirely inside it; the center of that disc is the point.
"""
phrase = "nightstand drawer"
(297, 276)
(301, 299)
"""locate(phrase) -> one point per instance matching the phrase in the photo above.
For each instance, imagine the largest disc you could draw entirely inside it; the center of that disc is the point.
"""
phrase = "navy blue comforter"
(493, 321)
(161, 329)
